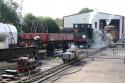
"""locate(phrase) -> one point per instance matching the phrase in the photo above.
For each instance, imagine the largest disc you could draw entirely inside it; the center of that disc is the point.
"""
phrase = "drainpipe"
(123, 27)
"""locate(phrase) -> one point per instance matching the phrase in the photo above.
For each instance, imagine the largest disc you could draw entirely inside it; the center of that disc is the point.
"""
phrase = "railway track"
(41, 76)
(5, 67)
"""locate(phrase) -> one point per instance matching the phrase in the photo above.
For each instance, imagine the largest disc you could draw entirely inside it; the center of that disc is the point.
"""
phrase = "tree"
(12, 4)
(8, 14)
(40, 24)
(59, 22)
(29, 23)
(51, 25)
(84, 10)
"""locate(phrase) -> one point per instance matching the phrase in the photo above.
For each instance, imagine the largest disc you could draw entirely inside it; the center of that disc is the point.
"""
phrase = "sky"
(60, 8)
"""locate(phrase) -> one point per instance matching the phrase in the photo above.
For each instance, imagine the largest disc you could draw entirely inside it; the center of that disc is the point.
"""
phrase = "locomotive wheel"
(65, 60)
(76, 57)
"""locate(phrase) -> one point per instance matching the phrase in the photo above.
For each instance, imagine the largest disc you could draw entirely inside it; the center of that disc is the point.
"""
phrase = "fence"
(105, 51)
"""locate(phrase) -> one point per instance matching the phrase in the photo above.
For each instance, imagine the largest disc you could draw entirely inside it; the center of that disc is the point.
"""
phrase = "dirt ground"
(97, 71)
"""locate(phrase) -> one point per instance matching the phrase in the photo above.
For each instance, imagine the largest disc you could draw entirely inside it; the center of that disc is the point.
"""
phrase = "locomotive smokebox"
(8, 35)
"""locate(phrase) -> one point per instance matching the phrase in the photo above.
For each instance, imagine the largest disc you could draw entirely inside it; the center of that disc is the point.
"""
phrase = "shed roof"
(97, 12)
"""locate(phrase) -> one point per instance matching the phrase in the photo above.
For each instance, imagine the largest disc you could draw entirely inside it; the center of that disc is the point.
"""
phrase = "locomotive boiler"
(8, 35)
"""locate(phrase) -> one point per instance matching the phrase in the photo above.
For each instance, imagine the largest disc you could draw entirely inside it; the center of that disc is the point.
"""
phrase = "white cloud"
(60, 8)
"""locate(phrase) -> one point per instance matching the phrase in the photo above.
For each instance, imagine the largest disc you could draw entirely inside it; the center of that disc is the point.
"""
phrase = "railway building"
(97, 20)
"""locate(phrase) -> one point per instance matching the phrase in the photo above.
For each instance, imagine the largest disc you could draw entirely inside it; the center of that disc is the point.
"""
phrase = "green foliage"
(59, 22)
(51, 25)
(8, 14)
(28, 22)
(32, 23)
(40, 24)
(85, 10)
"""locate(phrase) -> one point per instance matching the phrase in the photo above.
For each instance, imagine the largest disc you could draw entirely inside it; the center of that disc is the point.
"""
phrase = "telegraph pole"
(20, 16)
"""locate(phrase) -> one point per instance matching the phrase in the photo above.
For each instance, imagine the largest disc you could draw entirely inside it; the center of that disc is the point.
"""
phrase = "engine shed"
(97, 20)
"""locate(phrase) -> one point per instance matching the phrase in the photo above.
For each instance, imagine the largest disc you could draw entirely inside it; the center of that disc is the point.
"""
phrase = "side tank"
(8, 35)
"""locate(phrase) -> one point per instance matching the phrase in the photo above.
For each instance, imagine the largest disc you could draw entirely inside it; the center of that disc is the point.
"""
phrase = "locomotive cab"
(83, 34)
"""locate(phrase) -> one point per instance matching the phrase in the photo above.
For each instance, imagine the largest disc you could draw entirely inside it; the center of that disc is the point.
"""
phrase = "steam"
(109, 19)
(97, 35)
(92, 15)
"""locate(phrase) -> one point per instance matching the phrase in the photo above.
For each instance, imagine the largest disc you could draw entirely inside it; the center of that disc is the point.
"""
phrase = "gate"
(104, 51)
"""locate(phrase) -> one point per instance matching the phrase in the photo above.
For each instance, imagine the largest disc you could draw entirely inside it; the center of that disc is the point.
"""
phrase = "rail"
(40, 75)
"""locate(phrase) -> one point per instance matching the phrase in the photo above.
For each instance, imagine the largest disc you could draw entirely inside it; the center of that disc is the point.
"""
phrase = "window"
(75, 26)
(96, 25)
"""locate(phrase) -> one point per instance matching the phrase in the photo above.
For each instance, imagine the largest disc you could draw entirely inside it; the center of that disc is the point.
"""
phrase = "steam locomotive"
(83, 34)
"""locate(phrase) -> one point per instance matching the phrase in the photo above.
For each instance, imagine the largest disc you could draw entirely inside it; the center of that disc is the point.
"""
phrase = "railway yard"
(46, 64)
(102, 65)
(60, 57)
(97, 71)
(41, 43)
